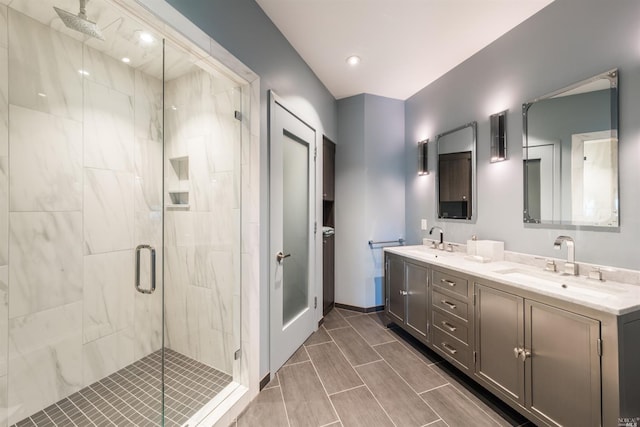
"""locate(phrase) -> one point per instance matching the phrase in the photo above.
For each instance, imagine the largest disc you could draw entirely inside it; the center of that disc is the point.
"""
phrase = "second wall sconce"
(423, 157)
(498, 123)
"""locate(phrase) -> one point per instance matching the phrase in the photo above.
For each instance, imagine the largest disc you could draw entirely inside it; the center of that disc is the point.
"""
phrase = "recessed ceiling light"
(353, 60)
(146, 38)
(126, 60)
(42, 94)
(84, 72)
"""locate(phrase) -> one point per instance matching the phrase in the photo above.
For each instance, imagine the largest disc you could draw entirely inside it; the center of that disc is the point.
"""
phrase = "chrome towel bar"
(400, 242)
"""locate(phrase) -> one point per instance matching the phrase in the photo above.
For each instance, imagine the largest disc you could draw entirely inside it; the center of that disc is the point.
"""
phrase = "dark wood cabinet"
(328, 272)
(328, 242)
(328, 170)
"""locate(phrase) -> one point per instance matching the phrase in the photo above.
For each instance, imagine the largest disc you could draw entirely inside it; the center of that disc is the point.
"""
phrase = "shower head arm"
(83, 9)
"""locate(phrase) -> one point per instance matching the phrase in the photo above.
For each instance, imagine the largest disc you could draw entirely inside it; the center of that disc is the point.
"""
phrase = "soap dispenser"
(471, 245)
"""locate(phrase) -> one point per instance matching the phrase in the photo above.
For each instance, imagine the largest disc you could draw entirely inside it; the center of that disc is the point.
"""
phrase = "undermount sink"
(426, 252)
(560, 282)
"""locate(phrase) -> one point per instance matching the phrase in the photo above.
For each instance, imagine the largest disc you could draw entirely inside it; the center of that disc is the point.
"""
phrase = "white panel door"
(292, 240)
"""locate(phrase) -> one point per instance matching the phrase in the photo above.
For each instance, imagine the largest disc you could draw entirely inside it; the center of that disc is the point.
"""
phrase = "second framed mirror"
(456, 178)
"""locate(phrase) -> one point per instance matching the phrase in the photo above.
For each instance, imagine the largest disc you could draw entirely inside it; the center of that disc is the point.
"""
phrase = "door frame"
(315, 212)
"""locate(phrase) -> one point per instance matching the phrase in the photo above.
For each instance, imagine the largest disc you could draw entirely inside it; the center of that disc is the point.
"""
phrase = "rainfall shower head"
(80, 22)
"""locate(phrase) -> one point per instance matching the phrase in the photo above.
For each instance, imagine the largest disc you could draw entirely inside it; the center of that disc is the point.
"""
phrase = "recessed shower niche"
(178, 180)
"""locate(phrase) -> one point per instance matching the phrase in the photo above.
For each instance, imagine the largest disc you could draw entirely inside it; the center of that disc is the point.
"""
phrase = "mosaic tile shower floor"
(132, 395)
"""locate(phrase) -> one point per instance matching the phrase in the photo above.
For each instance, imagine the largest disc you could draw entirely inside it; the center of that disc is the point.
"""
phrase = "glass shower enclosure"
(120, 168)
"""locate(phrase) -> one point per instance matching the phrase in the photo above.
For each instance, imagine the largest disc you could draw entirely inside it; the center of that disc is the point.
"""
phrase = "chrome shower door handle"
(152, 253)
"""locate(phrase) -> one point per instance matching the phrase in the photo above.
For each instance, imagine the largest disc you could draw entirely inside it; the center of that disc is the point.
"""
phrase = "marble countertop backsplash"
(615, 274)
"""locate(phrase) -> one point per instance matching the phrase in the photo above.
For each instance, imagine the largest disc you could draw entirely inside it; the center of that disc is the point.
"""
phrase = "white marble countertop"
(606, 296)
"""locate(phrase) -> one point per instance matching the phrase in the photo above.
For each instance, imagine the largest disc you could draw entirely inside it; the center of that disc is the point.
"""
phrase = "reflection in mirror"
(570, 142)
(457, 173)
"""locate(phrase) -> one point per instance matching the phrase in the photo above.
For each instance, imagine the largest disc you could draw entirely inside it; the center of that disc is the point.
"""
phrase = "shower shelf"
(179, 193)
(179, 198)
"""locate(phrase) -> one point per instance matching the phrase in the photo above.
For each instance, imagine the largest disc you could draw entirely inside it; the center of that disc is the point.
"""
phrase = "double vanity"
(560, 349)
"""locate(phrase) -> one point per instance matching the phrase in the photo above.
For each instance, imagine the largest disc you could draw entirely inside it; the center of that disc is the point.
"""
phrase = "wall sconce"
(423, 157)
(498, 136)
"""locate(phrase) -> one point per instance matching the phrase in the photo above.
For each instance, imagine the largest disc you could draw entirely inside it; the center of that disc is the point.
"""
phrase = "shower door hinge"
(315, 153)
(236, 355)
(315, 227)
(599, 346)
(475, 358)
(237, 115)
(315, 302)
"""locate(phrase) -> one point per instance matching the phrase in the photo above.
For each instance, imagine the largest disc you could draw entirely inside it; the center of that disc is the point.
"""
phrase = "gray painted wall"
(564, 43)
(370, 201)
(242, 28)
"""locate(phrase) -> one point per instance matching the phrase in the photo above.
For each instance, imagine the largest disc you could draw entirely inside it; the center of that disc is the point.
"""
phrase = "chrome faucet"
(441, 245)
(570, 267)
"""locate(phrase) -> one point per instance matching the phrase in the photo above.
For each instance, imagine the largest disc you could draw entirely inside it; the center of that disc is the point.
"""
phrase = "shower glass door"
(120, 178)
(81, 173)
(202, 134)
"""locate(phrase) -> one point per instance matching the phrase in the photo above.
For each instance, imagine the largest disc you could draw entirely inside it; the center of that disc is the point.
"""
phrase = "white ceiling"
(404, 44)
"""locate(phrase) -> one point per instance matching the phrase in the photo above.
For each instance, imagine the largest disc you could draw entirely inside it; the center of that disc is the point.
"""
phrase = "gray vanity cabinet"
(407, 285)
(542, 357)
(417, 282)
(395, 305)
(499, 333)
(452, 317)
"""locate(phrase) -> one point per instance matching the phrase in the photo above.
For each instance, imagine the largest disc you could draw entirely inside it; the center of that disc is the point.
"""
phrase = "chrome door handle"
(449, 304)
(449, 348)
(449, 326)
(448, 282)
(403, 293)
(524, 354)
(516, 352)
(152, 253)
(280, 257)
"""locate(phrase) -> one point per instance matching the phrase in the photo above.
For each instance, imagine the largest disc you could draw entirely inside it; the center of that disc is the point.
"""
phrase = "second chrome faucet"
(570, 267)
(441, 245)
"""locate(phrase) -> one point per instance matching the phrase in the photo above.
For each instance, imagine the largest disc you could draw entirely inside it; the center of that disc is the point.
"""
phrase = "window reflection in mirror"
(456, 173)
(570, 156)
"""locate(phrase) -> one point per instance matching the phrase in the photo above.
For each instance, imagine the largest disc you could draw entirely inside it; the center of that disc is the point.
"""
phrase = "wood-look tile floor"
(353, 371)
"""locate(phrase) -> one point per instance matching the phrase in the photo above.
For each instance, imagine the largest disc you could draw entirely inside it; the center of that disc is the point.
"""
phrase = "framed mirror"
(456, 177)
(570, 143)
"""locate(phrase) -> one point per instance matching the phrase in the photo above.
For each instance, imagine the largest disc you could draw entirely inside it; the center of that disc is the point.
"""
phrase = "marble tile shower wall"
(202, 242)
(80, 187)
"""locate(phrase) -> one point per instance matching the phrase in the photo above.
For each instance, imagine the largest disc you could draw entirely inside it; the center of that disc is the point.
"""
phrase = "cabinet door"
(328, 169)
(499, 330)
(417, 278)
(328, 268)
(563, 370)
(395, 289)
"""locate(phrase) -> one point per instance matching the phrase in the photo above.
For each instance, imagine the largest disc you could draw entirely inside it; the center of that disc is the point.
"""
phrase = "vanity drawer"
(451, 347)
(451, 283)
(449, 304)
(451, 326)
